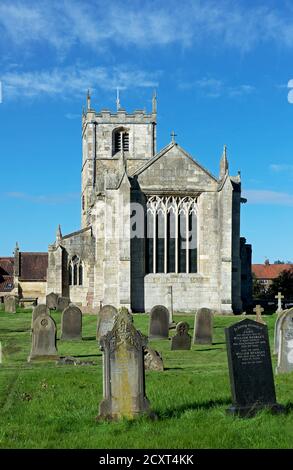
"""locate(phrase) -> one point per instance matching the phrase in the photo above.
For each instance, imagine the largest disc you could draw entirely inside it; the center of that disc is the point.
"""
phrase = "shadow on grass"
(15, 330)
(209, 349)
(176, 412)
(173, 368)
(89, 338)
(86, 355)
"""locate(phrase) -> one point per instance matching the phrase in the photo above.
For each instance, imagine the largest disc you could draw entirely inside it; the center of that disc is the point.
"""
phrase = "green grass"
(49, 406)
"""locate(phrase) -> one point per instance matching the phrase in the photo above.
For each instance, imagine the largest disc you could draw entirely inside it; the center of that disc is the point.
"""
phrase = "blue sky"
(221, 70)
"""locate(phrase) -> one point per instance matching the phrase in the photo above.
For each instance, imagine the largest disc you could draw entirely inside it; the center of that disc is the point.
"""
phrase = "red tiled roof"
(6, 274)
(269, 271)
(33, 266)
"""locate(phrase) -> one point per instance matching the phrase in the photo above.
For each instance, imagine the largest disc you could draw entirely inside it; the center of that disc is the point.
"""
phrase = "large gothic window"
(120, 140)
(75, 272)
(171, 245)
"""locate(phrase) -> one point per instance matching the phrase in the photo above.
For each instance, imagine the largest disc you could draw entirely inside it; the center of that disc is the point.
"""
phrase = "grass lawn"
(49, 406)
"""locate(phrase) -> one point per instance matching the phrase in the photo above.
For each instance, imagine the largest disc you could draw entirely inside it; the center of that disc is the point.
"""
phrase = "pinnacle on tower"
(88, 99)
(154, 102)
(224, 165)
(59, 234)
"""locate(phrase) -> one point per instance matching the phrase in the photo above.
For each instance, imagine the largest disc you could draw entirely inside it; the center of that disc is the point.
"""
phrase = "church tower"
(111, 144)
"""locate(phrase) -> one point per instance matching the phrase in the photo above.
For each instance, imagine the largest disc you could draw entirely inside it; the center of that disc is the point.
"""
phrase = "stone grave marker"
(159, 322)
(153, 359)
(43, 339)
(10, 303)
(258, 311)
(40, 309)
(181, 340)
(123, 369)
(106, 319)
(62, 303)
(279, 297)
(203, 327)
(52, 301)
(71, 323)
(250, 368)
(277, 331)
(285, 353)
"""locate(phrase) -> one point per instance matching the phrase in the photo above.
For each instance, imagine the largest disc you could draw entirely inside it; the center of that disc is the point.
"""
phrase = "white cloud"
(63, 25)
(262, 196)
(281, 167)
(70, 80)
(214, 88)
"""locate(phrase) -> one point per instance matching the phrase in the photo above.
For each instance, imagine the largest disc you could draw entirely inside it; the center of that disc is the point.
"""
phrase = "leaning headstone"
(40, 309)
(62, 303)
(43, 339)
(159, 322)
(153, 360)
(52, 301)
(124, 373)
(203, 327)
(285, 353)
(106, 319)
(277, 331)
(250, 368)
(10, 303)
(71, 323)
(181, 340)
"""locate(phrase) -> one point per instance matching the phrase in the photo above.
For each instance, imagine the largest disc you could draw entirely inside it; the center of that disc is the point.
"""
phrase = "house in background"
(266, 273)
(24, 275)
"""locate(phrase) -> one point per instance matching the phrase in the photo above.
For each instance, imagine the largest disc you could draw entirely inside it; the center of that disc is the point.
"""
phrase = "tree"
(283, 283)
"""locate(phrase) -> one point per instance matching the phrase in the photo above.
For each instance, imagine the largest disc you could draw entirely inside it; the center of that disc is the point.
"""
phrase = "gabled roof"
(6, 274)
(269, 271)
(163, 152)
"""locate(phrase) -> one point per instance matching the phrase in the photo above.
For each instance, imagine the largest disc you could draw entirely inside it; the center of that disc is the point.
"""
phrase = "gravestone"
(10, 303)
(203, 327)
(250, 368)
(153, 360)
(43, 339)
(106, 319)
(62, 303)
(159, 322)
(40, 309)
(285, 353)
(123, 371)
(181, 340)
(277, 331)
(52, 301)
(279, 297)
(71, 323)
(258, 311)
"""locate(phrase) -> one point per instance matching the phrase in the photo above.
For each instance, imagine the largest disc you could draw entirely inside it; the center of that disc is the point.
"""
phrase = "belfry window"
(171, 245)
(75, 272)
(120, 140)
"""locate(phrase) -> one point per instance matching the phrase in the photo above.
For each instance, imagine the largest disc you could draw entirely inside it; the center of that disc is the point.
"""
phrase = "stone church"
(156, 227)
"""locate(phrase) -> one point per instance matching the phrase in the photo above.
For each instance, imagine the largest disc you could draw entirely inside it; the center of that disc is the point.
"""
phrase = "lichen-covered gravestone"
(153, 360)
(10, 303)
(285, 353)
(203, 327)
(62, 303)
(159, 322)
(106, 319)
(123, 369)
(71, 323)
(250, 368)
(52, 301)
(40, 309)
(277, 331)
(181, 340)
(43, 339)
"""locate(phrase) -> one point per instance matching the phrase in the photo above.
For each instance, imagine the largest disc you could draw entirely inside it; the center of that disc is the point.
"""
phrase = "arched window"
(171, 244)
(75, 270)
(120, 140)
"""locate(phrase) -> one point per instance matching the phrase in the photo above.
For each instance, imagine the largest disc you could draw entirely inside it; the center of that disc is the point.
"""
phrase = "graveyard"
(54, 404)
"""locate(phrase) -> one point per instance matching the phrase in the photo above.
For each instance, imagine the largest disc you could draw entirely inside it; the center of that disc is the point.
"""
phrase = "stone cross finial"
(279, 297)
(173, 135)
(258, 311)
